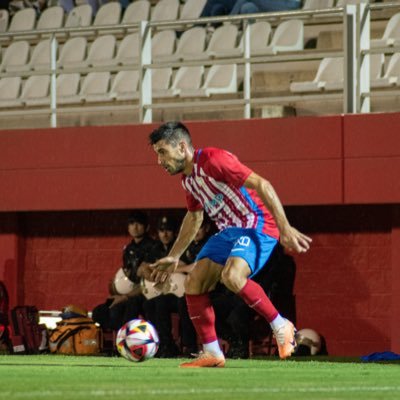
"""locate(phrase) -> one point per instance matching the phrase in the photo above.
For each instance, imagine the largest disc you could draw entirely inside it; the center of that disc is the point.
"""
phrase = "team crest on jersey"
(215, 204)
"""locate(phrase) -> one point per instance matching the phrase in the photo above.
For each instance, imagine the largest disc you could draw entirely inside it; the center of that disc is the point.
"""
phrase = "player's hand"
(163, 268)
(295, 241)
(159, 277)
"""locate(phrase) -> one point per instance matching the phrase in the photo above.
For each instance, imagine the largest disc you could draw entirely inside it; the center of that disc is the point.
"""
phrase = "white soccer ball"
(137, 340)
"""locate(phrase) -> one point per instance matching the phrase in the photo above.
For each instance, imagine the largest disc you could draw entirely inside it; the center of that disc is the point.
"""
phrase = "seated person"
(214, 8)
(260, 6)
(121, 308)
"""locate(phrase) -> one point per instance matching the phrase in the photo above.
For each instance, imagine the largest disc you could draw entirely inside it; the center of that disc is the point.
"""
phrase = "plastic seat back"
(137, 11)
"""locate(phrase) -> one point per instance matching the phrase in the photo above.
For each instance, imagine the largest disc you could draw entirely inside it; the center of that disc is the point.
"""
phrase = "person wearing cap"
(121, 308)
(141, 244)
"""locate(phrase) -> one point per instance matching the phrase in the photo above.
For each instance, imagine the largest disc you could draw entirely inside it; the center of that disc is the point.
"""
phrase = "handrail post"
(145, 93)
(247, 70)
(53, 81)
(365, 66)
(356, 63)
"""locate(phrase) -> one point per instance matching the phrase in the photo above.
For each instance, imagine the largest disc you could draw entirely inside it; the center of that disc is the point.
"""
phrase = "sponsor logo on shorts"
(243, 241)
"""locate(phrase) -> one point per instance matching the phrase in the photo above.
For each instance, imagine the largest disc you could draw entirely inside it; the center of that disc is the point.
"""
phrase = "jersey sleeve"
(224, 166)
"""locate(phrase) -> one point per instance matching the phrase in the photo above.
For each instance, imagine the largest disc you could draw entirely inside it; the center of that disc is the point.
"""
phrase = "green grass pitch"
(55, 377)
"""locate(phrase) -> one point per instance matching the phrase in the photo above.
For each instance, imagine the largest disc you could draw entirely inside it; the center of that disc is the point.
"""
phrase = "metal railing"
(356, 51)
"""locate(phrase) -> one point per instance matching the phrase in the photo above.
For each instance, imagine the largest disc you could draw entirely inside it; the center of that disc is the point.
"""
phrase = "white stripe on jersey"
(240, 209)
(224, 204)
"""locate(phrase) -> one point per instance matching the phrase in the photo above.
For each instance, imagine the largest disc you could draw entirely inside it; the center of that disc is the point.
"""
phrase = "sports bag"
(5, 344)
(76, 336)
(28, 336)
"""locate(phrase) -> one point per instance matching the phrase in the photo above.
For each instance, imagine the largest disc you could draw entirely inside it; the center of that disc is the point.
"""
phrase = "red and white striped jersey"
(216, 185)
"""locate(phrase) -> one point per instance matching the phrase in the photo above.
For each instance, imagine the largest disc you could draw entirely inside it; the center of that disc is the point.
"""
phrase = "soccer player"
(251, 220)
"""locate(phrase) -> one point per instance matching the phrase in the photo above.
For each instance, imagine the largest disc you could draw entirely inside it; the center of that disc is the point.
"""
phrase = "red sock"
(255, 297)
(202, 315)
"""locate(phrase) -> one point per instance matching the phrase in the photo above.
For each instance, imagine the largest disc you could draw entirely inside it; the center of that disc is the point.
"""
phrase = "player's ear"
(182, 146)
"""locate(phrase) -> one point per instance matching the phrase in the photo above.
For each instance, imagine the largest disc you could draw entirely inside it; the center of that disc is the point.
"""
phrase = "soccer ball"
(137, 340)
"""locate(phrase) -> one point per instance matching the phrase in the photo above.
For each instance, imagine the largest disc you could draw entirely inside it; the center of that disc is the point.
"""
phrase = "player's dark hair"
(172, 132)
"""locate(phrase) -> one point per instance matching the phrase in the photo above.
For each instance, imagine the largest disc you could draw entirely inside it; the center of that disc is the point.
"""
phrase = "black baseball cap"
(166, 223)
(138, 216)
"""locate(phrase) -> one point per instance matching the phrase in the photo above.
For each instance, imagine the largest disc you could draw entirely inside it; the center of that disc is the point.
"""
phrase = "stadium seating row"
(104, 51)
(108, 14)
(111, 14)
(329, 76)
(330, 72)
(108, 51)
(193, 81)
(102, 86)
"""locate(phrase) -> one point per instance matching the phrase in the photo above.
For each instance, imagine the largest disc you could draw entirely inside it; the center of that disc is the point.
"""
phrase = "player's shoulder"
(208, 153)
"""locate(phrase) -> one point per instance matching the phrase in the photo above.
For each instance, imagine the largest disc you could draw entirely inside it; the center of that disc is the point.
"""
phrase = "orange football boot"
(285, 339)
(205, 360)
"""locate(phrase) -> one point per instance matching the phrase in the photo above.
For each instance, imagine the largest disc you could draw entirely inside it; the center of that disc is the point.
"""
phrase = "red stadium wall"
(65, 195)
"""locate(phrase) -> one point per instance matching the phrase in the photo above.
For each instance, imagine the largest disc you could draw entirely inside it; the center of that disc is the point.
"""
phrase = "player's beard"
(177, 167)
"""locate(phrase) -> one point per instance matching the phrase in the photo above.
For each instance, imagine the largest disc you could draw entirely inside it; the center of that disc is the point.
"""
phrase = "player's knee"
(231, 279)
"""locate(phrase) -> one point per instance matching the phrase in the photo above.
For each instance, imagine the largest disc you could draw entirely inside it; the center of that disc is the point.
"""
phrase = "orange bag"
(76, 336)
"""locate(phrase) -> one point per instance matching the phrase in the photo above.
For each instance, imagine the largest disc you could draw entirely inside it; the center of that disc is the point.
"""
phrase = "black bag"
(5, 344)
(28, 337)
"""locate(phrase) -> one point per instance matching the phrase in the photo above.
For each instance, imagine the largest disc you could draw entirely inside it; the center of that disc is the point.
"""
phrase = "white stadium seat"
(125, 86)
(136, 11)
(128, 50)
(15, 56)
(95, 87)
(36, 90)
(391, 35)
(79, 16)
(4, 18)
(101, 52)
(260, 34)
(10, 88)
(108, 14)
(221, 44)
(51, 18)
(161, 81)
(288, 36)
(23, 20)
(67, 88)
(330, 74)
(163, 44)
(165, 10)
(391, 76)
(317, 4)
(73, 52)
(187, 79)
(191, 43)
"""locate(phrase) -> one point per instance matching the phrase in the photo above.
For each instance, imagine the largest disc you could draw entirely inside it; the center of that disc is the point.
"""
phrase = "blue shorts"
(253, 246)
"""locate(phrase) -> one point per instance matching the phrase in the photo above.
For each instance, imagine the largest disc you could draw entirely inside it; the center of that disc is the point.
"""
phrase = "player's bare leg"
(235, 277)
(199, 282)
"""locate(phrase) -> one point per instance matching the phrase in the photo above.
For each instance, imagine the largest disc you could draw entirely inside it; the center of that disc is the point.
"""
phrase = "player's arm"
(190, 225)
(291, 238)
